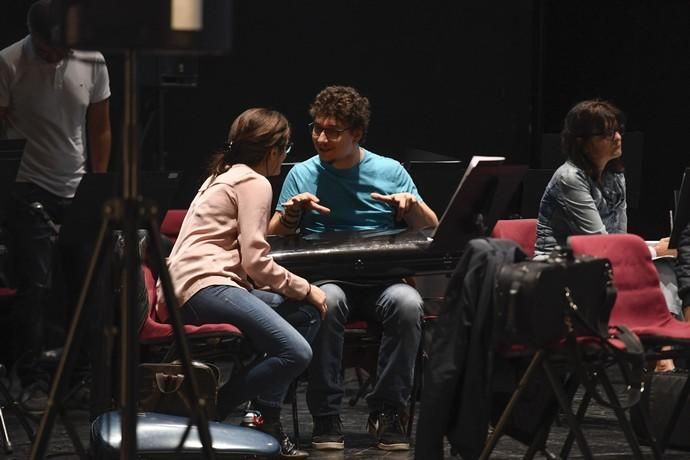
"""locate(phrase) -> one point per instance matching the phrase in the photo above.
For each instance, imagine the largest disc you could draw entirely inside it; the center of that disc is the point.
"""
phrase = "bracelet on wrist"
(292, 212)
(288, 223)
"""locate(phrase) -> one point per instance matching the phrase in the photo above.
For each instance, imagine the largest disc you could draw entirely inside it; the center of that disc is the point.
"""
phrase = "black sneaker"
(328, 433)
(288, 449)
(388, 428)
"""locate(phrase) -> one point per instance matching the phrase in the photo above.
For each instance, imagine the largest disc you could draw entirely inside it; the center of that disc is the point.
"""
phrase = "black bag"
(662, 390)
(537, 301)
(166, 390)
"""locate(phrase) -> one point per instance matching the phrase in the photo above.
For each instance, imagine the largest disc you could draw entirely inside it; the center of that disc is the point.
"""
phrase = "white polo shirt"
(47, 107)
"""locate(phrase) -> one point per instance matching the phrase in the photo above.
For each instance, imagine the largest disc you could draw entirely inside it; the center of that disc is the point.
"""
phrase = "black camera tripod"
(128, 213)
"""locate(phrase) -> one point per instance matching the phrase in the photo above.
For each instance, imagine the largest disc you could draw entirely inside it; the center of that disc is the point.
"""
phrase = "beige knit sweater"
(222, 239)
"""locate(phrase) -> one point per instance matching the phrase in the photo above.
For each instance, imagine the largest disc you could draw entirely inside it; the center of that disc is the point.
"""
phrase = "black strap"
(630, 360)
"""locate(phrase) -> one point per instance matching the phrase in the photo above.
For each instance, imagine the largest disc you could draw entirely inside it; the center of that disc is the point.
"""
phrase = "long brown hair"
(585, 120)
(251, 137)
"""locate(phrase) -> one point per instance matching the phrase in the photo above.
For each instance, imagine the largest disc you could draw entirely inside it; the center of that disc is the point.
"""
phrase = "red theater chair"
(641, 306)
(158, 336)
(205, 341)
(172, 222)
(521, 231)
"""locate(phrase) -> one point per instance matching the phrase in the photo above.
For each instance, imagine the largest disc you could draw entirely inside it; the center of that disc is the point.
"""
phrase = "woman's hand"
(317, 298)
(662, 248)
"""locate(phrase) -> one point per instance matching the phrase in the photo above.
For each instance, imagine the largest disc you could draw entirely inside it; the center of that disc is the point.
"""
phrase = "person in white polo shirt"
(58, 100)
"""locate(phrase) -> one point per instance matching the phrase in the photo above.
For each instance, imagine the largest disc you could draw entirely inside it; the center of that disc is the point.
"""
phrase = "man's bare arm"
(421, 216)
(414, 212)
(276, 227)
(287, 222)
(99, 135)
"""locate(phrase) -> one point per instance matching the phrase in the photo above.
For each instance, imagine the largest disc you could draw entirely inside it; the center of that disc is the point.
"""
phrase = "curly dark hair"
(345, 104)
(252, 135)
(585, 120)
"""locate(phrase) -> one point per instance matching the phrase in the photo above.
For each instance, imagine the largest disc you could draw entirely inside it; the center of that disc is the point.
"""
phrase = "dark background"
(451, 77)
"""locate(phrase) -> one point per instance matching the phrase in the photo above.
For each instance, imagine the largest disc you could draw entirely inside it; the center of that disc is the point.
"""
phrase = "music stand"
(435, 180)
(479, 201)
(277, 182)
(533, 187)
(95, 189)
(10, 157)
(12, 148)
(682, 215)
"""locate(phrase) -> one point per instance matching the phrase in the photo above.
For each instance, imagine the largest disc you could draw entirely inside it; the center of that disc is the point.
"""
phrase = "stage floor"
(601, 431)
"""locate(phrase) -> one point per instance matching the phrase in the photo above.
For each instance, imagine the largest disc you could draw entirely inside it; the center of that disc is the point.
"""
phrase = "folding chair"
(523, 232)
(641, 306)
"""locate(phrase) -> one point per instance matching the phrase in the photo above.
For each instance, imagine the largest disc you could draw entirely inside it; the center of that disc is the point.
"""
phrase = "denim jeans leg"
(325, 389)
(399, 308)
(304, 318)
(287, 352)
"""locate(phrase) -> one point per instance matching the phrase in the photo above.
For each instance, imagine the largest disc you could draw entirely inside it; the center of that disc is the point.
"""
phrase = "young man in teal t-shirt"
(344, 188)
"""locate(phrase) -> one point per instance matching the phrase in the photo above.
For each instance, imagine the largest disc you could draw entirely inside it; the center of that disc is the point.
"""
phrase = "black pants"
(36, 215)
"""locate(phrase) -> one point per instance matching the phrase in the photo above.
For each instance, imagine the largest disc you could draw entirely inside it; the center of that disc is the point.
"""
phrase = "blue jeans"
(267, 321)
(398, 308)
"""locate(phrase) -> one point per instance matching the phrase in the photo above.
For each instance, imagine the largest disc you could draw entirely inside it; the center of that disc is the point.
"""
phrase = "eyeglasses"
(611, 132)
(227, 147)
(332, 134)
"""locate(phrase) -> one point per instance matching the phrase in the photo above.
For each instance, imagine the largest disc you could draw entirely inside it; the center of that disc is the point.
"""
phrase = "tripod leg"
(73, 435)
(129, 340)
(7, 444)
(69, 355)
(198, 404)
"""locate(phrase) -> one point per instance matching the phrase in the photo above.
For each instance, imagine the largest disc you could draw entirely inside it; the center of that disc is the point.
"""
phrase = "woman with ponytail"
(222, 271)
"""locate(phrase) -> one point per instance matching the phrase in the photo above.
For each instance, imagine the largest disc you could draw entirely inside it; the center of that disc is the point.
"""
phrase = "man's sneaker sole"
(397, 446)
(328, 445)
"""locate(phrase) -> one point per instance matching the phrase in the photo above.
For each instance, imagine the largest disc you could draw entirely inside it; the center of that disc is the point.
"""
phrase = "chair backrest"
(521, 231)
(154, 330)
(172, 222)
(640, 304)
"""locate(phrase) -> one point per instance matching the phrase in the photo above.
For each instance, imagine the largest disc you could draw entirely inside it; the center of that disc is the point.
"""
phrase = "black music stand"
(682, 215)
(436, 180)
(8, 171)
(95, 189)
(277, 182)
(533, 187)
(10, 157)
(12, 148)
(479, 201)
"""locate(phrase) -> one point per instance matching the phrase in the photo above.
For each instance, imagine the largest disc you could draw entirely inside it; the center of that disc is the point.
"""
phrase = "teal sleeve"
(406, 184)
(290, 188)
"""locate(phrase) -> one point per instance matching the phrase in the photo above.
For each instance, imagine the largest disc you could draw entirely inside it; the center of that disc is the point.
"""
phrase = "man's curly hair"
(345, 104)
